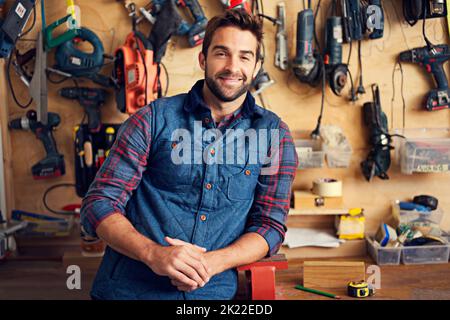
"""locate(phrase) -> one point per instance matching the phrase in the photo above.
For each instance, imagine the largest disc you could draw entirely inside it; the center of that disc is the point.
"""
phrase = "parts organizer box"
(424, 150)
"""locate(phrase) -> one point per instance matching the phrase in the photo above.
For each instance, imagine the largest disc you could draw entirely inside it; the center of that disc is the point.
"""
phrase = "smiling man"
(178, 230)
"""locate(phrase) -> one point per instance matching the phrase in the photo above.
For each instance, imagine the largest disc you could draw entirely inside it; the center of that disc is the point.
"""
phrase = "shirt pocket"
(242, 185)
(164, 167)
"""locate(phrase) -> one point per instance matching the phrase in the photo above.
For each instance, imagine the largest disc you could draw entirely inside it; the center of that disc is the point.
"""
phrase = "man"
(177, 225)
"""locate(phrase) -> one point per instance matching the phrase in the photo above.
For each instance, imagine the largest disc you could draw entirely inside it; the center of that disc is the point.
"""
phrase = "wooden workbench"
(47, 280)
(402, 282)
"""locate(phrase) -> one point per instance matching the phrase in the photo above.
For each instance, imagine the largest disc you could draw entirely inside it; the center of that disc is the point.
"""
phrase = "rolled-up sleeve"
(121, 172)
(271, 204)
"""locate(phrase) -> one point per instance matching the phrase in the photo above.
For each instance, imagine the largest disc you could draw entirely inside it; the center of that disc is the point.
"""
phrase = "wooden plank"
(304, 200)
(332, 274)
(352, 248)
(6, 144)
(317, 212)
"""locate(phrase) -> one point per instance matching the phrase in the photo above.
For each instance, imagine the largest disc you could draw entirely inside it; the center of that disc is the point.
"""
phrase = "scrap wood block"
(308, 200)
(332, 274)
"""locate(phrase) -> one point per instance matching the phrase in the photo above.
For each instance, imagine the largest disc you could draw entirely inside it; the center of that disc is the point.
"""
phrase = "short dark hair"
(235, 18)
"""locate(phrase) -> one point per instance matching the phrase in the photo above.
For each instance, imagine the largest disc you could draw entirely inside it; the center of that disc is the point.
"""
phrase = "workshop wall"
(296, 103)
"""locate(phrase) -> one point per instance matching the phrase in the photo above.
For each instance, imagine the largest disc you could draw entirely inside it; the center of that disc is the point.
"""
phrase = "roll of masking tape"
(326, 187)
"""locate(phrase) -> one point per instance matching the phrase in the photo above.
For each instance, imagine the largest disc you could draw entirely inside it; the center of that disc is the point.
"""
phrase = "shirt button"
(247, 172)
(208, 186)
(203, 217)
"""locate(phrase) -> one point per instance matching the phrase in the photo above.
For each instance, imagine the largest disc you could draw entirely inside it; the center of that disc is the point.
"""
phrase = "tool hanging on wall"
(72, 31)
(53, 164)
(307, 62)
(167, 24)
(379, 159)
(91, 150)
(135, 72)
(359, 19)
(281, 55)
(195, 31)
(72, 60)
(12, 27)
(432, 58)
(373, 19)
(413, 10)
(336, 70)
(91, 99)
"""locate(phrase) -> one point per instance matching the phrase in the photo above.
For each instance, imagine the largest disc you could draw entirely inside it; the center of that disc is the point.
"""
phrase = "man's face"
(230, 65)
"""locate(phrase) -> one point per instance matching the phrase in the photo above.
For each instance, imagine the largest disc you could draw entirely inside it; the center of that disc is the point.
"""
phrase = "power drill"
(196, 31)
(432, 58)
(53, 164)
(90, 99)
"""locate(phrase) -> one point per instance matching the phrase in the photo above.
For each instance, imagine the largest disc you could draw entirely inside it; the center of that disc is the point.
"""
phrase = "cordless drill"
(432, 58)
(53, 164)
(91, 99)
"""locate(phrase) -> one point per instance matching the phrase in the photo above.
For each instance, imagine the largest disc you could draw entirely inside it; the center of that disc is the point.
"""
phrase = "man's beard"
(218, 91)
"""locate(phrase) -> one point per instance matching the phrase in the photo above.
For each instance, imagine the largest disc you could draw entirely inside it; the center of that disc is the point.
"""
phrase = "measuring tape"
(360, 289)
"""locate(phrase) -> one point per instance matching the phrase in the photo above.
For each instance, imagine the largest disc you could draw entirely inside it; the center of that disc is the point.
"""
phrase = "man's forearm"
(249, 248)
(118, 232)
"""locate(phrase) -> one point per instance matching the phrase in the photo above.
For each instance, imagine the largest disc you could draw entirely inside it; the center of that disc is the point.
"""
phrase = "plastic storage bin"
(407, 216)
(424, 150)
(425, 254)
(310, 153)
(338, 157)
(382, 255)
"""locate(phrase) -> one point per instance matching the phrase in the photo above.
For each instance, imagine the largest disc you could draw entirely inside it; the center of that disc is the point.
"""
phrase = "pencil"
(329, 295)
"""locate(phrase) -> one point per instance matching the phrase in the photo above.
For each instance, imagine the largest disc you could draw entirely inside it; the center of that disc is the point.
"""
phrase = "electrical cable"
(401, 91)
(167, 79)
(59, 212)
(8, 68)
(360, 89)
(315, 29)
(315, 134)
(13, 94)
(428, 42)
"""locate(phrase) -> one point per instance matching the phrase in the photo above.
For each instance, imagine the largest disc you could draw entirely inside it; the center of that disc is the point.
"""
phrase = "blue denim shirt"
(208, 203)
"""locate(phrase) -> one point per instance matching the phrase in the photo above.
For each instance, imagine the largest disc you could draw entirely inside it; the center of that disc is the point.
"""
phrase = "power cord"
(59, 212)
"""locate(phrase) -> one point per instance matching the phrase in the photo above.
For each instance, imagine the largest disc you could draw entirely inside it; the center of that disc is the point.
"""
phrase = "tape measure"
(360, 289)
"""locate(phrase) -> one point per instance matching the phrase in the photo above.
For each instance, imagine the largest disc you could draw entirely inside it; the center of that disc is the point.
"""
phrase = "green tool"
(326, 294)
(51, 42)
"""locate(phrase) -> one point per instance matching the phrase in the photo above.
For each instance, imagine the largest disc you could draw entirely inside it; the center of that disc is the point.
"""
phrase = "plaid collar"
(195, 101)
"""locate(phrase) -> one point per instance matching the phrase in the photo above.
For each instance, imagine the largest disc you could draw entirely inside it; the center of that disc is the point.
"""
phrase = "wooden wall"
(296, 103)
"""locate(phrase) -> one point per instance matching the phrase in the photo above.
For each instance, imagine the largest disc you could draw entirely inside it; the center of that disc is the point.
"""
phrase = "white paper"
(304, 237)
